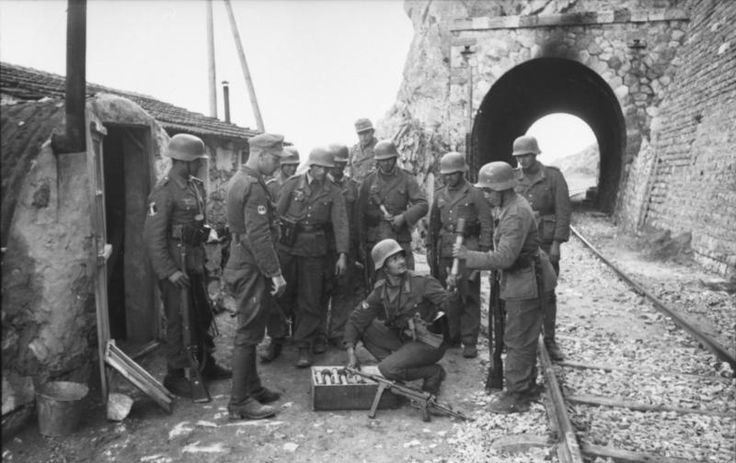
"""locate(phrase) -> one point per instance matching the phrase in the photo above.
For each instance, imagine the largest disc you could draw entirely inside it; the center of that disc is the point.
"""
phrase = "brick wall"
(693, 183)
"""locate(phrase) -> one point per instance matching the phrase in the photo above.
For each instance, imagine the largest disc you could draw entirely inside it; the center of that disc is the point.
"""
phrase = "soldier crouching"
(409, 339)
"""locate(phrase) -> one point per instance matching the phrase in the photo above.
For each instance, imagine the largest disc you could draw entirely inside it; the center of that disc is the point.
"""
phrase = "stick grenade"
(459, 231)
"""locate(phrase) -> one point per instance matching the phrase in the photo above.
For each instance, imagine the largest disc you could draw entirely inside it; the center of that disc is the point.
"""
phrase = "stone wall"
(632, 50)
(693, 183)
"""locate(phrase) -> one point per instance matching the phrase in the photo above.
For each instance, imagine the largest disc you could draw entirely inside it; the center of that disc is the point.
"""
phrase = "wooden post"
(244, 65)
(211, 60)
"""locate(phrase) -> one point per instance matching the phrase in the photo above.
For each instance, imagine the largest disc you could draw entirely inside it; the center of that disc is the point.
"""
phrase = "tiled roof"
(31, 84)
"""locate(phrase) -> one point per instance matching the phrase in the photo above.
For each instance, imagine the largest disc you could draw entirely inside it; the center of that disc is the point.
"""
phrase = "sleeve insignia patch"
(262, 209)
(152, 209)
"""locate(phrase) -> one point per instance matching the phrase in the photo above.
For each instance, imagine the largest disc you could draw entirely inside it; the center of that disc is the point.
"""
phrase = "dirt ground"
(195, 432)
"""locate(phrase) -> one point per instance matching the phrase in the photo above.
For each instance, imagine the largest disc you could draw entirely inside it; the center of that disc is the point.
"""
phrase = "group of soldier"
(325, 256)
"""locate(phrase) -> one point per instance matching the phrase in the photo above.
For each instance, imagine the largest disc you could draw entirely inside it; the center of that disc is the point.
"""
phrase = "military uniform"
(547, 194)
(347, 290)
(251, 217)
(449, 205)
(176, 215)
(382, 322)
(524, 271)
(275, 183)
(399, 193)
(362, 160)
(307, 208)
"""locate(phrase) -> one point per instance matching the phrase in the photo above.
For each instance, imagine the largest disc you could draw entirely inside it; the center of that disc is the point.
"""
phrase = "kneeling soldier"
(409, 340)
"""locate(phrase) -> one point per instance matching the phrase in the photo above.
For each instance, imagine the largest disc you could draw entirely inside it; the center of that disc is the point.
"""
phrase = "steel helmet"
(497, 176)
(340, 152)
(383, 250)
(363, 125)
(321, 156)
(526, 144)
(185, 147)
(385, 149)
(452, 162)
(291, 156)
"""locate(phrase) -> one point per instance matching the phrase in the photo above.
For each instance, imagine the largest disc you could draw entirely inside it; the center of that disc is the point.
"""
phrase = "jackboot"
(432, 383)
(249, 409)
(177, 383)
(510, 402)
(273, 351)
(470, 351)
(548, 328)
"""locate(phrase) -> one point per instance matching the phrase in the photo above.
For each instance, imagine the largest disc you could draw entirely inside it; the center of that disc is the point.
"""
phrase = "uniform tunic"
(275, 183)
(449, 205)
(515, 239)
(361, 160)
(175, 203)
(399, 192)
(313, 207)
(381, 320)
(251, 217)
(346, 291)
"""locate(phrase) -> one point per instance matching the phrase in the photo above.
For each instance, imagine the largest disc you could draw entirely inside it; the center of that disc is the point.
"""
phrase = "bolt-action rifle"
(424, 400)
(495, 335)
(200, 394)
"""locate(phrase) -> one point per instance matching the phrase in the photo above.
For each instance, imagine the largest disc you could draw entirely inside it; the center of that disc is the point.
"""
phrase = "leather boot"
(510, 402)
(273, 351)
(177, 384)
(265, 395)
(470, 351)
(249, 409)
(320, 344)
(305, 359)
(548, 327)
(432, 383)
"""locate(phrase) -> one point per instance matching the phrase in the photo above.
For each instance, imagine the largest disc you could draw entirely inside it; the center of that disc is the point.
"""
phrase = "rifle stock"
(200, 394)
(424, 400)
(495, 335)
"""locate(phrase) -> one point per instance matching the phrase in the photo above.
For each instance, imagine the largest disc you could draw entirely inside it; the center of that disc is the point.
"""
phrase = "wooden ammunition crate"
(348, 396)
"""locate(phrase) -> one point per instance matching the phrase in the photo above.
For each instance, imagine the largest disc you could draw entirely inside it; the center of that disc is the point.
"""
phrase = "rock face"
(479, 74)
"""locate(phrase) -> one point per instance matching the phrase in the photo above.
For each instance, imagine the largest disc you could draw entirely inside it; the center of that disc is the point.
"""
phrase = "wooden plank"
(138, 377)
(619, 403)
(137, 369)
(520, 442)
(608, 368)
(629, 456)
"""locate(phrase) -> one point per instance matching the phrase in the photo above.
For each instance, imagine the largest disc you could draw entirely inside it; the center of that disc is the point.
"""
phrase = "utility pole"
(211, 60)
(244, 65)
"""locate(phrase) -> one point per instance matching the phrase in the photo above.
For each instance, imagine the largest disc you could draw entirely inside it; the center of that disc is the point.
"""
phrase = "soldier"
(545, 189)
(289, 163)
(308, 205)
(390, 203)
(362, 160)
(409, 340)
(176, 217)
(527, 279)
(347, 290)
(459, 199)
(253, 267)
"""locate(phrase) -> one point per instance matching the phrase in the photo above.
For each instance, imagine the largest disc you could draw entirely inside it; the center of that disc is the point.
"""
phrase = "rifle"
(495, 335)
(200, 394)
(424, 400)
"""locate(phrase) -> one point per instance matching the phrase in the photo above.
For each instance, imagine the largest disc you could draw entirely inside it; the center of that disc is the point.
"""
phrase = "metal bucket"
(59, 405)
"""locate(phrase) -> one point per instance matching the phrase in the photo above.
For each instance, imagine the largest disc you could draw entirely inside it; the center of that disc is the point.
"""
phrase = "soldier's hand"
(397, 221)
(459, 251)
(353, 359)
(178, 279)
(554, 252)
(451, 281)
(342, 265)
(279, 285)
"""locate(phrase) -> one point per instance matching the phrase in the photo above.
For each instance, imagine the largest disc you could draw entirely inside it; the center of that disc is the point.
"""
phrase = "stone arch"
(543, 86)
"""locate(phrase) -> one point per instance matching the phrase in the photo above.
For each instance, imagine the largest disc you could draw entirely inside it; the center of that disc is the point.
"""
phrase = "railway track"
(616, 400)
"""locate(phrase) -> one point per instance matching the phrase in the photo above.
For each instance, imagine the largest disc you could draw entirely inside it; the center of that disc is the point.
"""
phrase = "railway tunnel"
(544, 86)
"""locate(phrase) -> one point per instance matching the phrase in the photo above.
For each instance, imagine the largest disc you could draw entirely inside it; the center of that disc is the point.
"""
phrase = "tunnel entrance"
(544, 86)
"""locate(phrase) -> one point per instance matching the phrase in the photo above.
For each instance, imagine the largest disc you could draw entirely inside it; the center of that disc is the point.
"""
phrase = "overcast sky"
(316, 65)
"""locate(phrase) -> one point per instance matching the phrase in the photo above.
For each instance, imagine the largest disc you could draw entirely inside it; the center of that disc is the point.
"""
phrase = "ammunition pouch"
(288, 233)
(194, 234)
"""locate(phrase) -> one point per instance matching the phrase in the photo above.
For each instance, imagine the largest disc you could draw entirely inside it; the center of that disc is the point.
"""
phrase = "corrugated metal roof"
(31, 84)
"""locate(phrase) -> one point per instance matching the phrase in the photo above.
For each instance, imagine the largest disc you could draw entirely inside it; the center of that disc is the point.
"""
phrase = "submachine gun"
(200, 394)
(424, 400)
